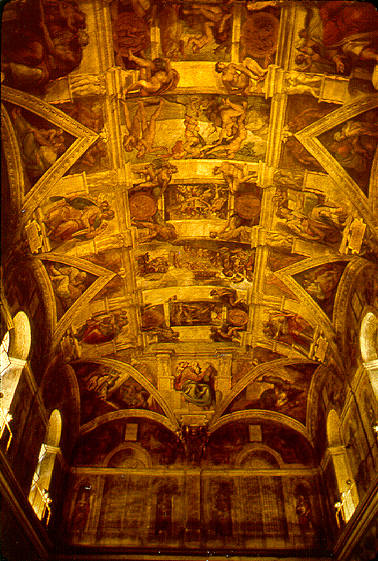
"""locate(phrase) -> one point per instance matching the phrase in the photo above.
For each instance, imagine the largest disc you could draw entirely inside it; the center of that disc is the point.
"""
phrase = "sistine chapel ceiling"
(192, 186)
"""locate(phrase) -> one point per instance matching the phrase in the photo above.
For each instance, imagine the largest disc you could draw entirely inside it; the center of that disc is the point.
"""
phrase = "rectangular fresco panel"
(196, 202)
(246, 511)
(201, 126)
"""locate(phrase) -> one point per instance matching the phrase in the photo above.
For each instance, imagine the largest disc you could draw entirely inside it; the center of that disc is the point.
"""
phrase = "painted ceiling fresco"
(193, 186)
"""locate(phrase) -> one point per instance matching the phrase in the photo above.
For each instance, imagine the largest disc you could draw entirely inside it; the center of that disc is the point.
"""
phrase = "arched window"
(5, 416)
(15, 348)
(4, 356)
(348, 495)
(20, 345)
(39, 492)
(369, 337)
(369, 347)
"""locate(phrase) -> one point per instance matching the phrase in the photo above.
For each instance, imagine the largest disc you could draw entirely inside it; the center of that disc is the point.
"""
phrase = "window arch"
(39, 491)
(369, 337)
(5, 416)
(15, 348)
(333, 429)
(54, 429)
(348, 495)
(21, 342)
(4, 356)
(369, 346)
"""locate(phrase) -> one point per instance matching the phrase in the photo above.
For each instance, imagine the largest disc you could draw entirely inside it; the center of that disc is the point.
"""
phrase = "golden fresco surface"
(193, 185)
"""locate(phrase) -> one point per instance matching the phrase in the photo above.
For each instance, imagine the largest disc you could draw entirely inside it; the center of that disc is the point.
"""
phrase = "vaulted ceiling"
(195, 229)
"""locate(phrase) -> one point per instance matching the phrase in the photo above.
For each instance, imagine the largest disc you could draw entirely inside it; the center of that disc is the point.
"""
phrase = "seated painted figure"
(44, 44)
(196, 383)
(102, 327)
(76, 218)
